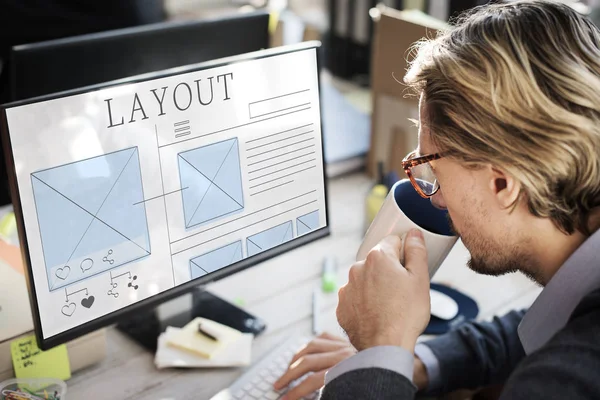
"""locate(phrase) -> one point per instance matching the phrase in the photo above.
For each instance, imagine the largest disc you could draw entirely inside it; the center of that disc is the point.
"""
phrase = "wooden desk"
(281, 293)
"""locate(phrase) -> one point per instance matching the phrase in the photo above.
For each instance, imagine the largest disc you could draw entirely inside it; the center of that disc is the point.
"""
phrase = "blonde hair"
(517, 85)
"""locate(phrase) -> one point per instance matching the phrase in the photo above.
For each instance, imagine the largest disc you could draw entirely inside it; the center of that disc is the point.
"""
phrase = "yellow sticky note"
(31, 362)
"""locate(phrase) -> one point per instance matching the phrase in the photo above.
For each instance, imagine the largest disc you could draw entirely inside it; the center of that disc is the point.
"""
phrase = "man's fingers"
(319, 345)
(311, 384)
(327, 335)
(390, 246)
(310, 363)
(415, 253)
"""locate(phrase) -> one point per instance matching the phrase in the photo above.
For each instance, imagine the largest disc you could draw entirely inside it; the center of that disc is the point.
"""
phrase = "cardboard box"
(393, 105)
(311, 33)
(403, 142)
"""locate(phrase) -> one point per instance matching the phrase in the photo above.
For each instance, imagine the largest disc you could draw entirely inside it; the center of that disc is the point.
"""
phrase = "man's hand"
(385, 303)
(321, 354)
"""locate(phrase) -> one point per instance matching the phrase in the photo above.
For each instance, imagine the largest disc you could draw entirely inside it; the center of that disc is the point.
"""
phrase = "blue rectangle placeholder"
(211, 182)
(215, 259)
(307, 222)
(91, 216)
(269, 238)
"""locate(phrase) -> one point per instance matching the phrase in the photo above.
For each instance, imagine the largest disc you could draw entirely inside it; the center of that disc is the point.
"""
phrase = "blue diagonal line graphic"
(192, 261)
(235, 252)
(212, 182)
(254, 244)
(299, 220)
(100, 208)
(203, 196)
(94, 216)
(286, 231)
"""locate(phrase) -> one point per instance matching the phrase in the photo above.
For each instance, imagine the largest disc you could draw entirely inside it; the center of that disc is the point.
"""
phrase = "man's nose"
(438, 200)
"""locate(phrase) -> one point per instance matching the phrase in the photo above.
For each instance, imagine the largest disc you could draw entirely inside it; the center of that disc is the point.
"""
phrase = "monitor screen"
(130, 194)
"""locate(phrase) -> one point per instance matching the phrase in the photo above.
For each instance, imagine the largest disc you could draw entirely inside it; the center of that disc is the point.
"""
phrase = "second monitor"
(63, 64)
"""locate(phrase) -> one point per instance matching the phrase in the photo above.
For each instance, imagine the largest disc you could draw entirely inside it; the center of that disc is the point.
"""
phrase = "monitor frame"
(184, 288)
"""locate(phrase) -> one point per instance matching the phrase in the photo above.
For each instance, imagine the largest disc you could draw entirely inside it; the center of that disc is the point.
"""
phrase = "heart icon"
(63, 273)
(87, 302)
(69, 309)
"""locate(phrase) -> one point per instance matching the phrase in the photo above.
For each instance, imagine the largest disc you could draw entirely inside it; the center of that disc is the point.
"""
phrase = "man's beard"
(491, 258)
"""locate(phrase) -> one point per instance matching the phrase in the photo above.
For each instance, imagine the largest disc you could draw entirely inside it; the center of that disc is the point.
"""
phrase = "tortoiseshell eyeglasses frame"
(409, 163)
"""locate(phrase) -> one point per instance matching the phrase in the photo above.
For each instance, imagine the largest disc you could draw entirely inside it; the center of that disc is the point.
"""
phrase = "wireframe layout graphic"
(212, 181)
(91, 216)
(269, 238)
(307, 222)
(216, 259)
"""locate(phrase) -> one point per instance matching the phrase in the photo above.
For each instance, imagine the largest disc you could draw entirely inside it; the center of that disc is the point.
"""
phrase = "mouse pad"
(467, 311)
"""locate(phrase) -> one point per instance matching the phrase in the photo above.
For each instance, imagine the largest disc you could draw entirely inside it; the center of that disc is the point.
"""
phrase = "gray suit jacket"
(481, 354)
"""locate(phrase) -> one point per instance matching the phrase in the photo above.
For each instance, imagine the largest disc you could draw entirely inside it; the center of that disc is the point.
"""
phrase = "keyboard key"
(274, 368)
(272, 395)
(258, 384)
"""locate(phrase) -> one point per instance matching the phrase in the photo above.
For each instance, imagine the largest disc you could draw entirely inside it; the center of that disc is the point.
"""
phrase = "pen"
(315, 312)
(203, 331)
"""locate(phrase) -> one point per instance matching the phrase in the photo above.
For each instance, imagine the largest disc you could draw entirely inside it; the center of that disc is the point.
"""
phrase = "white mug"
(404, 209)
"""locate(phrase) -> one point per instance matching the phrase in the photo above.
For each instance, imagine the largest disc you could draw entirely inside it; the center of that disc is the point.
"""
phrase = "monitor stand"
(145, 327)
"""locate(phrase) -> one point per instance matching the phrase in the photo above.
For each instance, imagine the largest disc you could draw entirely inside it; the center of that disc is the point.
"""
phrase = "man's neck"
(551, 248)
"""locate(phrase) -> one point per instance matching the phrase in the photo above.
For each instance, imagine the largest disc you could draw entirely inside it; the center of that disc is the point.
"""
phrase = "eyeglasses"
(421, 174)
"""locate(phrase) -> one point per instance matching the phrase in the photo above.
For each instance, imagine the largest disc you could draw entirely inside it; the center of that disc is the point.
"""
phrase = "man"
(510, 107)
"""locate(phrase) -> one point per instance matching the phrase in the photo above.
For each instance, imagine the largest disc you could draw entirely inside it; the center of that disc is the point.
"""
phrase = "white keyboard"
(257, 382)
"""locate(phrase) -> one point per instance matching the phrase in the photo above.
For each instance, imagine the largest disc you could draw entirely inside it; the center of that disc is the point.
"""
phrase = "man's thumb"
(415, 252)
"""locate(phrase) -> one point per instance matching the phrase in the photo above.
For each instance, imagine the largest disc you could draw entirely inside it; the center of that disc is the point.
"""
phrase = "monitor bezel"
(184, 288)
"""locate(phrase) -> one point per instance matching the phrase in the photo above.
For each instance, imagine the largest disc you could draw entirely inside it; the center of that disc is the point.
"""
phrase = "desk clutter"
(203, 343)
(33, 389)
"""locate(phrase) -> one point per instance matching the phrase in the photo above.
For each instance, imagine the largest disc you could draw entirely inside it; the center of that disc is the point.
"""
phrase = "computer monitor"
(63, 64)
(129, 194)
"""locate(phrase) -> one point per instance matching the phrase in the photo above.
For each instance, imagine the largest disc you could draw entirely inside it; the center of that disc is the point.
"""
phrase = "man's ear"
(504, 187)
